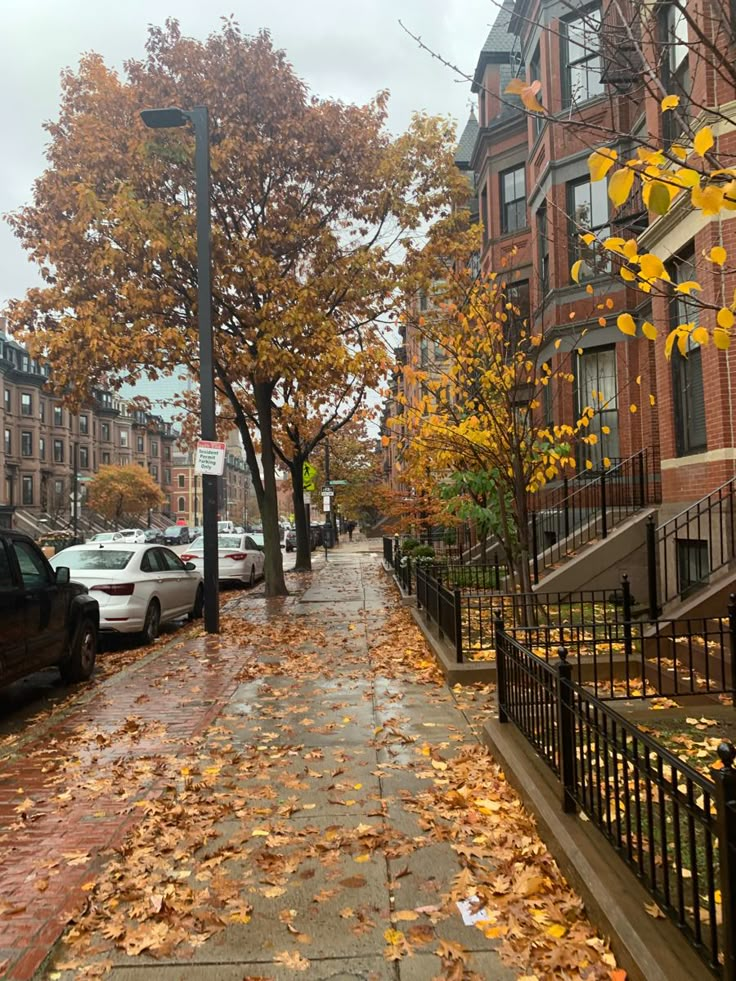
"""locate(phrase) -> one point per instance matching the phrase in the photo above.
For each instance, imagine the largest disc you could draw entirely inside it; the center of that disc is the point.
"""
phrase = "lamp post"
(199, 118)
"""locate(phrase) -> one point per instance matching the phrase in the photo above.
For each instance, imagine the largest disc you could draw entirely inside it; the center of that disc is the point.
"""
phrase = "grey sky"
(341, 48)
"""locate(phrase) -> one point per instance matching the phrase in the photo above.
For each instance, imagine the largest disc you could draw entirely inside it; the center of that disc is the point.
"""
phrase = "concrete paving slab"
(373, 968)
(422, 967)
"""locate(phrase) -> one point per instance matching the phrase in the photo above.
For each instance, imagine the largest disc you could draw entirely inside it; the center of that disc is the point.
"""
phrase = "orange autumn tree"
(120, 493)
(317, 213)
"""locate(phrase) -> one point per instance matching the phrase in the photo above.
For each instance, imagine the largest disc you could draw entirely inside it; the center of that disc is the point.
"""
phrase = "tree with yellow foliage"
(478, 431)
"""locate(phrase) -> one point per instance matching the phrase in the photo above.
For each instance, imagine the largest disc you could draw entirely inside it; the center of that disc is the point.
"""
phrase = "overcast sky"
(341, 48)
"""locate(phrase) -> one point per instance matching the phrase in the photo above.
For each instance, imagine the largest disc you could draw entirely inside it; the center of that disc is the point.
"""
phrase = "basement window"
(693, 564)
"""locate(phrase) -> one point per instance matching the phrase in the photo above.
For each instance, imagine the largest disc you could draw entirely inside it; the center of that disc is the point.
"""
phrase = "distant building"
(236, 495)
(42, 441)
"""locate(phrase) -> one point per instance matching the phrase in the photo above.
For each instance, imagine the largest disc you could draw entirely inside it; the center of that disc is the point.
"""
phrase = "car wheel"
(198, 608)
(151, 623)
(82, 654)
(252, 580)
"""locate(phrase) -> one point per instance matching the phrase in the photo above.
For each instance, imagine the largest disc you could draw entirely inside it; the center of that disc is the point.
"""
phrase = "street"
(301, 794)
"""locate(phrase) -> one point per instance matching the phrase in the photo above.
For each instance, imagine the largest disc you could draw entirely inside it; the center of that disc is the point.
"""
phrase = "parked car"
(46, 619)
(290, 540)
(195, 532)
(177, 535)
(138, 587)
(225, 528)
(106, 536)
(316, 535)
(239, 558)
(153, 536)
(132, 536)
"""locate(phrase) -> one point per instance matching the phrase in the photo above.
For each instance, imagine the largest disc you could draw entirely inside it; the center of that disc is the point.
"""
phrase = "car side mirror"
(62, 575)
(189, 566)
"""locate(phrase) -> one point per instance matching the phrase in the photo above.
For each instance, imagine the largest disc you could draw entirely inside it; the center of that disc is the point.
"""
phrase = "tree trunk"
(303, 539)
(273, 566)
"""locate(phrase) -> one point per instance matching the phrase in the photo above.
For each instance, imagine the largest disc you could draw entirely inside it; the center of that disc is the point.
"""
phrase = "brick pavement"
(57, 816)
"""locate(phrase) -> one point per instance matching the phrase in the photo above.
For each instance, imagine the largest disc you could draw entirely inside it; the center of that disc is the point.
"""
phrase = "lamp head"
(164, 118)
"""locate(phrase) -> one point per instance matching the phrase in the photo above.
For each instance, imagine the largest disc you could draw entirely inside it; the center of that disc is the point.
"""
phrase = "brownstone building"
(44, 444)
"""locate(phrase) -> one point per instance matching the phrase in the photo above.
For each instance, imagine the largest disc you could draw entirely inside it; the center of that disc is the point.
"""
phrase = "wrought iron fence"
(586, 606)
(480, 576)
(625, 658)
(562, 520)
(442, 606)
(388, 551)
(684, 552)
(672, 825)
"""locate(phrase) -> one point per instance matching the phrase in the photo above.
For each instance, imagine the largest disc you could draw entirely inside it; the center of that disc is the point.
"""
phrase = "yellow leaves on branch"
(670, 102)
(527, 92)
(600, 162)
(703, 141)
(620, 185)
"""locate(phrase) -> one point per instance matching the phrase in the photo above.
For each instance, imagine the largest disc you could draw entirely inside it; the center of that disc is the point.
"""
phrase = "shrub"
(408, 544)
(422, 552)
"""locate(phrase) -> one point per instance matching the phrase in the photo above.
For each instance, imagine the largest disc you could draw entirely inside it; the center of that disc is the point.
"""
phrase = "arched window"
(182, 504)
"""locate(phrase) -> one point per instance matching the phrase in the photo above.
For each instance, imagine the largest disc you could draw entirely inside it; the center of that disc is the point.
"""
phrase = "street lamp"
(199, 118)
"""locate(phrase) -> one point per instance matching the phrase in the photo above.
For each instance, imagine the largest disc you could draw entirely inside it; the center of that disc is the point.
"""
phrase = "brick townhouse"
(535, 198)
(41, 438)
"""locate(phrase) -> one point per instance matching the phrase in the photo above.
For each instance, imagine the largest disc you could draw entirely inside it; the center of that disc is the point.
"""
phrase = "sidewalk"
(300, 796)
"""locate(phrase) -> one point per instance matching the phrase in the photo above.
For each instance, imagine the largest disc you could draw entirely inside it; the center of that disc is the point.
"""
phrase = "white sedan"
(239, 558)
(132, 536)
(138, 587)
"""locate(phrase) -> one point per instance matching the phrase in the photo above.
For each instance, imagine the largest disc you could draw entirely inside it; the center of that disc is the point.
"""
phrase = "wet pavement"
(276, 800)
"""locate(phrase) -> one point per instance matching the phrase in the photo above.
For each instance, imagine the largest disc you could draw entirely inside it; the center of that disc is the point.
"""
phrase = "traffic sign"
(326, 502)
(328, 492)
(338, 483)
(210, 458)
(308, 474)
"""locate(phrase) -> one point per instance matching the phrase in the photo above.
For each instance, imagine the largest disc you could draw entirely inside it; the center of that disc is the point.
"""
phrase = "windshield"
(228, 541)
(173, 530)
(93, 559)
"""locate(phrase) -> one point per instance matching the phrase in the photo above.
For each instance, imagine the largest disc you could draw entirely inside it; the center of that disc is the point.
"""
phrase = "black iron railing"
(388, 551)
(586, 606)
(586, 508)
(442, 606)
(684, 552)
(528, 696)
(402, 567)
(672, 825)
(479, 576)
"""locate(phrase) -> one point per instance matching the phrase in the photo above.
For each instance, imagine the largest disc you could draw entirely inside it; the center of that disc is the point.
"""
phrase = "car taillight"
(237, 556)
(115, 588)
(187, 557)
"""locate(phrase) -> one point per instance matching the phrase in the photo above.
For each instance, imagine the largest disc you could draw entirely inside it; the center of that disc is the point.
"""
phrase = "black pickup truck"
(44, 618)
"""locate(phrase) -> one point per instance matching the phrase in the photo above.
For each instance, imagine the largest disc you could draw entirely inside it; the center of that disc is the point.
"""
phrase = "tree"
(475, 437)
(123, 493)
(316, 212)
